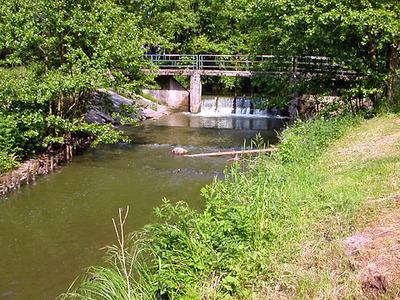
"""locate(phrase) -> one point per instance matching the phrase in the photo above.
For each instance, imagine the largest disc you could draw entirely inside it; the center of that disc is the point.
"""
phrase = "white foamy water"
(214, 106)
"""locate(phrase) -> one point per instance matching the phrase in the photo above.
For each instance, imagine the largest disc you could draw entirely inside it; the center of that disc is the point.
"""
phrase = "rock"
(118, 100)
(179, 151)
(106, 107)
(149, 113)
(149, 110)
(100, 117)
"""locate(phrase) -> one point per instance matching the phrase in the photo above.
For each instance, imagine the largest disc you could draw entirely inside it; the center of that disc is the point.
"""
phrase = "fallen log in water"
(239, 152)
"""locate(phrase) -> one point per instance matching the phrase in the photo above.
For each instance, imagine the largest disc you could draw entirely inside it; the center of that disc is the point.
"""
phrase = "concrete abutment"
(175, 96)
(170, 93)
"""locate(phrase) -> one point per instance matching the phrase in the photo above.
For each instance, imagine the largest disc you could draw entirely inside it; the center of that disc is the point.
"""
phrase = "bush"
(306, 140)
(7, 162)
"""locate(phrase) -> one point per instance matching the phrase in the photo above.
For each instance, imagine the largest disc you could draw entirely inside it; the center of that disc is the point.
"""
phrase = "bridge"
(195, 66)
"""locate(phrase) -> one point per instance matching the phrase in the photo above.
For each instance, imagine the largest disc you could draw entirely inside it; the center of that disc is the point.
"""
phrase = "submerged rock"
(179, 151)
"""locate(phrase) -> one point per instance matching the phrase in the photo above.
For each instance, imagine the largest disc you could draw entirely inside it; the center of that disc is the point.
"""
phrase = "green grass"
(7, 162)
(150, 97)
(271, 229)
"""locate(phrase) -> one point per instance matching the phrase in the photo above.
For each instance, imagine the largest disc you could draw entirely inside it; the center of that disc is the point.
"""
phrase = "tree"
(53, 55)
(73, 47)
(193, 26)
(365, 33)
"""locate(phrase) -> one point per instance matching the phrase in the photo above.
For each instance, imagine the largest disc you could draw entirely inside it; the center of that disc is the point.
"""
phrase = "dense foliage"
(365, 34)
(53, 55)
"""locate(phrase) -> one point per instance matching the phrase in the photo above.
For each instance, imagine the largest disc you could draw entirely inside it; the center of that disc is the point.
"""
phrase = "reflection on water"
(50, 232)
(193, 130)
(251, 122)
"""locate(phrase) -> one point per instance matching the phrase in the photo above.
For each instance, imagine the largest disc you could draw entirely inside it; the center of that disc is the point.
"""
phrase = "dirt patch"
(374, 147)
(375, 252)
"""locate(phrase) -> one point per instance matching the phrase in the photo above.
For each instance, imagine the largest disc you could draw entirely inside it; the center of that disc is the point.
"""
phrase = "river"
(50, 232)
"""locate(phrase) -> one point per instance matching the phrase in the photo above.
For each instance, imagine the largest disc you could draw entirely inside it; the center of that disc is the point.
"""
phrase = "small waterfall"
(216, 106)
(242, 106)
(226, 106)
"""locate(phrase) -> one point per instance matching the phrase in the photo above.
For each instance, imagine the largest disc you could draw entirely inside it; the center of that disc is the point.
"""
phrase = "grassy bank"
(271, 229)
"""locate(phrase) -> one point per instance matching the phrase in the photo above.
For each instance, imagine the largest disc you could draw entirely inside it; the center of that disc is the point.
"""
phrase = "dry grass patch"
(376, 138)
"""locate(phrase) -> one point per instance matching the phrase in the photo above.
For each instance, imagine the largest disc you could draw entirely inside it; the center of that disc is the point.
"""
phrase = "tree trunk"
(392, 73)
(373, 65)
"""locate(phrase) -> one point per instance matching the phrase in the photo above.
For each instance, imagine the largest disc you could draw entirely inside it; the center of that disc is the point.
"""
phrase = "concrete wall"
(172, 93)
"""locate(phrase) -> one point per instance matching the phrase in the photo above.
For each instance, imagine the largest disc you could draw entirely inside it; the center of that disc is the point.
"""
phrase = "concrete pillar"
(195, 92)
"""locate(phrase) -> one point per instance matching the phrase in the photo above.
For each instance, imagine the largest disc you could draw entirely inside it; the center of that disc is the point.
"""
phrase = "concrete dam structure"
(195, 66)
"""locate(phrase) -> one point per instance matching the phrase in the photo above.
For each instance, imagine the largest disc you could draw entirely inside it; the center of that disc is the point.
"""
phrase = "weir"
(239, 106)
(195, 66)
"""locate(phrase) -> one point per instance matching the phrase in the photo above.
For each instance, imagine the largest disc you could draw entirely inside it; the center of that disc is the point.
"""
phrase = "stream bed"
(50, 232)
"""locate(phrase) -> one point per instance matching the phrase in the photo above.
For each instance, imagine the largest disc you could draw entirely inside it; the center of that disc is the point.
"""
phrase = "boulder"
(95, 115)
(179, 151)
(106, 107)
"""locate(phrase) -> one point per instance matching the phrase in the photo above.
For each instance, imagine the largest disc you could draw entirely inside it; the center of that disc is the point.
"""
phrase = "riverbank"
(356, 187)
(107, 110)
(273, 229)
(28, 171)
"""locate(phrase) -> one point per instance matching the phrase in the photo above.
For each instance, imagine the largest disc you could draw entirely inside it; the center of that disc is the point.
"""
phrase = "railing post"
(198, 57)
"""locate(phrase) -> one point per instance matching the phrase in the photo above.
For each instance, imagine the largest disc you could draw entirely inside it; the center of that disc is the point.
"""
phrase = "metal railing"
(264, 63)
(174, 61)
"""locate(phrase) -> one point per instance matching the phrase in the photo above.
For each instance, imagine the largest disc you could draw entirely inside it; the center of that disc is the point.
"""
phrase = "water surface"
(52, 231)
